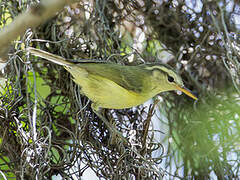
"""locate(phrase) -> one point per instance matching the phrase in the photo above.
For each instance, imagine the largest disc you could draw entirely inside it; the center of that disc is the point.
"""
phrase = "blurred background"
(48, 130)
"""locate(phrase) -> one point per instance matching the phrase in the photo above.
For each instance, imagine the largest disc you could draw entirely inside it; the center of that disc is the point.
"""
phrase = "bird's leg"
(112, 129)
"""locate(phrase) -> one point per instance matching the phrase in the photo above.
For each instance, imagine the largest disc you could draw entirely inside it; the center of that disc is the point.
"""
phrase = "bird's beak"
(187, 92)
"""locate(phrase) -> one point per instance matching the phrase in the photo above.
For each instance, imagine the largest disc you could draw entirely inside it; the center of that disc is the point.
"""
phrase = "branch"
(33, 17)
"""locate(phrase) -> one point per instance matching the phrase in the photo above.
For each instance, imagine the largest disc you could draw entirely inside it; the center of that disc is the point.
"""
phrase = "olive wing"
(129, 77)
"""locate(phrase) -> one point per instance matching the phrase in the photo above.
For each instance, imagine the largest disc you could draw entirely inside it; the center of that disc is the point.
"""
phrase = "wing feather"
(129, 77)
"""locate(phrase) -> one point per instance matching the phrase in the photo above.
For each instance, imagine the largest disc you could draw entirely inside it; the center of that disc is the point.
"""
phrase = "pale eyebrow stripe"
(163, 69)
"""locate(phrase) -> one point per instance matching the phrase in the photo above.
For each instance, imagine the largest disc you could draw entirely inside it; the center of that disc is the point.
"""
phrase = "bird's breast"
(108, 94)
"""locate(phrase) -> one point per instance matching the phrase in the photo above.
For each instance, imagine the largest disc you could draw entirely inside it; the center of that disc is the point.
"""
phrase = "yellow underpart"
(108, 94)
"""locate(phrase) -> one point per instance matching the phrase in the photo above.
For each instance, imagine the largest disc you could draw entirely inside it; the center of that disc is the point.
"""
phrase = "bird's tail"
(49, 56)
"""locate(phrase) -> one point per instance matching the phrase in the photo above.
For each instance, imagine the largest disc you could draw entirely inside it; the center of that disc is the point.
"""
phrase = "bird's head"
(166, 79)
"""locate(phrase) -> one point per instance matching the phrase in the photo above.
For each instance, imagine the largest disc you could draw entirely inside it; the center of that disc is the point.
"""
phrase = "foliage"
(48, 127)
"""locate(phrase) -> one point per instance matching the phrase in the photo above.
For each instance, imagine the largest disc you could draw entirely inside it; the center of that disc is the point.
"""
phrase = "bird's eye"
(170, 79)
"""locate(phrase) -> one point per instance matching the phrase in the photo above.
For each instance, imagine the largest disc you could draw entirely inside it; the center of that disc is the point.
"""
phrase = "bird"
(115, 86)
